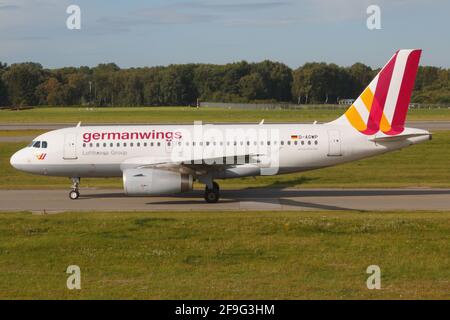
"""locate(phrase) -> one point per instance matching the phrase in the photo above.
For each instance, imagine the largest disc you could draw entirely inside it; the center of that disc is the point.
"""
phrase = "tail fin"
(384, 103)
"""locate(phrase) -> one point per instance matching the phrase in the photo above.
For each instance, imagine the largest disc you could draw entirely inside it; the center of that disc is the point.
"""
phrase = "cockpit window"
(38, 144)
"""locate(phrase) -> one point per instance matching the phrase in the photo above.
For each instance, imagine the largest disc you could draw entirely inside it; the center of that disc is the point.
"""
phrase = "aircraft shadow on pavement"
(262, 194)
(282, 197)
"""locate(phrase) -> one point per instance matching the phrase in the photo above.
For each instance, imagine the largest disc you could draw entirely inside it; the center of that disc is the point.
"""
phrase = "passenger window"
(159, 144)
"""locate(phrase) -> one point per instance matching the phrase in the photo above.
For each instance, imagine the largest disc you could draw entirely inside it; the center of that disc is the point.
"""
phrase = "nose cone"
(18, 160)
(14, 160)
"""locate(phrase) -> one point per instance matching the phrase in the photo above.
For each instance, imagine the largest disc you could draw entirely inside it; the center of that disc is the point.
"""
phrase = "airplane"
(166, 159)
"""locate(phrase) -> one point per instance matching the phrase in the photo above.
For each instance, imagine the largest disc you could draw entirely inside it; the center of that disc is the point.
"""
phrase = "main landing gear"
(212, 195)
(74, 194)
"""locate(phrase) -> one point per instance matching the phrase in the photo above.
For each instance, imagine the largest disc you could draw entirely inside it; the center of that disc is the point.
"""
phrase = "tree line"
(29, 84)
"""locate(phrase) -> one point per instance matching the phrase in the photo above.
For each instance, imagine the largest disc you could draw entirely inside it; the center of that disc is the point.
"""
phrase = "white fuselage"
(106, 151)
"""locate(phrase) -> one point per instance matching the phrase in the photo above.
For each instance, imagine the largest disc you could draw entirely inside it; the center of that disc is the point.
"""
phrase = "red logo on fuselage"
(41, 156)
(148, 135)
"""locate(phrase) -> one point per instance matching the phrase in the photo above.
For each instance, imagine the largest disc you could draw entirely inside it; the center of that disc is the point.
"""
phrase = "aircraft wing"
(193, 166)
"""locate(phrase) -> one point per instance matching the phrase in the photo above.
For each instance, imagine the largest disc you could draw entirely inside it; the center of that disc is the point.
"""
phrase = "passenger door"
(70, 148)
(334, 143)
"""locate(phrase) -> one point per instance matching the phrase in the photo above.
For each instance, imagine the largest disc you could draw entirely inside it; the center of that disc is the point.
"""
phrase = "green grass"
(184, 114)
(21, 133)
(424, 165)
(225, 255)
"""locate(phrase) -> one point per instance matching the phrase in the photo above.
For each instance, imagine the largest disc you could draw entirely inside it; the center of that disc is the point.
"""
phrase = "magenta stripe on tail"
(404, 97)
(376, 111)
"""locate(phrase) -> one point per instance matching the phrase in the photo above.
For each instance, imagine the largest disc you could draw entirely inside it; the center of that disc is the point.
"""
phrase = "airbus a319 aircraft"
(165, 159)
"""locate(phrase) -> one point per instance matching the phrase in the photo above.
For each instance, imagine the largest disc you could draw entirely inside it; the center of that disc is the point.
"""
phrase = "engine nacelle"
(155, 182)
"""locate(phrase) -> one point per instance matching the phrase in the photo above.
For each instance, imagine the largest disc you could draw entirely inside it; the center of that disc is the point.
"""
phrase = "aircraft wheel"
(74, 194)
(212, 196)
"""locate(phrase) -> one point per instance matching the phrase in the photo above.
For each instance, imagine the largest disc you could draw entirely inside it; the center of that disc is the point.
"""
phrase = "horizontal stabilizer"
(399, 137)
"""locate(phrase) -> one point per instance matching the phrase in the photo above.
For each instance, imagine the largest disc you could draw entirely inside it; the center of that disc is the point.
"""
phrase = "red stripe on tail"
(376, 111)
(404, 96)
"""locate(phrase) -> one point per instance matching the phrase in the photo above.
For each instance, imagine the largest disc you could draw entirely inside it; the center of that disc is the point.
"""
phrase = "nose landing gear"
(74, 194)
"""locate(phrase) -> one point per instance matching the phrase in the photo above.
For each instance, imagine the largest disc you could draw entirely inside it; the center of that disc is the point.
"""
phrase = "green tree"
(321, 83)
(51, 92)
(3, 89)
(21, 82)
(103, 83)
(151, 82)
(177, 86)
(251, 87)
(360, 75)
(277, 80)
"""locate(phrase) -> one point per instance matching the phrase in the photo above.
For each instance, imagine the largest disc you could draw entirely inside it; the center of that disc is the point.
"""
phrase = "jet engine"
(155, 182)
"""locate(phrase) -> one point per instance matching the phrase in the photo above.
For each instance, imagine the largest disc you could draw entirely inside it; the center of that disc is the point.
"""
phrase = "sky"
(137, 33)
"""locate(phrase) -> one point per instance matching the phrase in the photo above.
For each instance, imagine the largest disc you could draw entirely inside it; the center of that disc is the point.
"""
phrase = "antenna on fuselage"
(262, 122)
(79, 124)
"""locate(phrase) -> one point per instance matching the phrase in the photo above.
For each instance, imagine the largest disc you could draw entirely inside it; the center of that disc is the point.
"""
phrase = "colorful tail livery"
(384, 103)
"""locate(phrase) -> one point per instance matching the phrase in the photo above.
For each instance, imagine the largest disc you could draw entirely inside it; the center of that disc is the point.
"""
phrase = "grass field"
(21, 133)
(424, 165)
(186, 114)
(223, 255)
